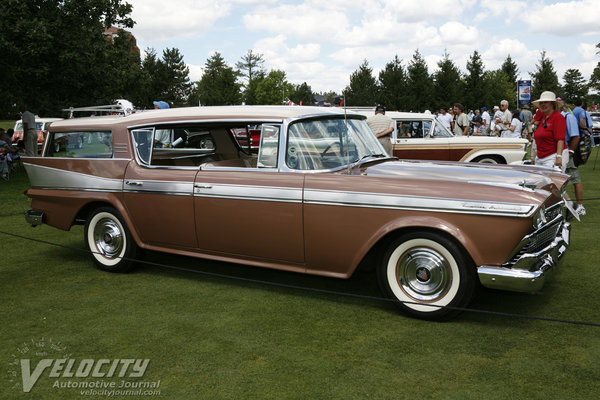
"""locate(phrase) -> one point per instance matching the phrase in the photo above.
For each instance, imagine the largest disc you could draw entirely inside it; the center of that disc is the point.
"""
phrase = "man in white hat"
(503, 123)
(497, 115)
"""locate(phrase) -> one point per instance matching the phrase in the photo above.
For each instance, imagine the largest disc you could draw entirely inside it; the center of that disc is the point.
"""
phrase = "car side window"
(269, 145)
(219, 145)
(80, 144)
(141, 141)
(410, 129)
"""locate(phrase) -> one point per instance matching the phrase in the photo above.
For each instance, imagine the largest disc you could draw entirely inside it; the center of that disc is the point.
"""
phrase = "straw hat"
(546, 96)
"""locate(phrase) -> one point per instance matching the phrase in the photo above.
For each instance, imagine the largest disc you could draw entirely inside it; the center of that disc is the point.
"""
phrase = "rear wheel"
(109, 240)
(489, 160)
(425, 272)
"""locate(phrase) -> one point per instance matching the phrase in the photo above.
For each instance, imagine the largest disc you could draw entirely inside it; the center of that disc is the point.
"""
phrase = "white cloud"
(160, 20)
(302, 21)
(587, 51)
(456, 32)
(414, 11)
(572, 18)
(494, 11)
(196, 72)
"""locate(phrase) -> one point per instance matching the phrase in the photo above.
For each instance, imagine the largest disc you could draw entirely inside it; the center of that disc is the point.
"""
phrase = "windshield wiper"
(358, 160)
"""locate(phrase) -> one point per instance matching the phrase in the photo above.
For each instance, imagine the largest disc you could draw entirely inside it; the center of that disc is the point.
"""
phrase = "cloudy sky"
(322, 42)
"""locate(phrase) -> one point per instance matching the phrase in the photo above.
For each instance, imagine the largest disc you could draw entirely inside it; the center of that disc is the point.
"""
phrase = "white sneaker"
(580, 210)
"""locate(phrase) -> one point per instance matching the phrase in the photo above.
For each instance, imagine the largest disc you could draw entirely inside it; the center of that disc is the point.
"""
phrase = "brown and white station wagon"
(317, 196)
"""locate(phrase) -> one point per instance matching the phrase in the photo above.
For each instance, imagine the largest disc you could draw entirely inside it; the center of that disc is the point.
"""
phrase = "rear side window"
(80, 144)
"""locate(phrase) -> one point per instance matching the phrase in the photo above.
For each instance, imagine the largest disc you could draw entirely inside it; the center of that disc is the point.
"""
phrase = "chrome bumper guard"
(529, 270)
(34, 218)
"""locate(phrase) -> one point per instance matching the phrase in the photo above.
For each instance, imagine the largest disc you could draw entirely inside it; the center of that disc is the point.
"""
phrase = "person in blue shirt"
(572, 141)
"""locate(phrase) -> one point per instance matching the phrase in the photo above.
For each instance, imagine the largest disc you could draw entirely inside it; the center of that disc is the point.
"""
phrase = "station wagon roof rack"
(121, 107)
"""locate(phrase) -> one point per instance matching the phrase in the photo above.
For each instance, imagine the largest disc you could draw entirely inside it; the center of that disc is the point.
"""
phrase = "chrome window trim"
(205, 121)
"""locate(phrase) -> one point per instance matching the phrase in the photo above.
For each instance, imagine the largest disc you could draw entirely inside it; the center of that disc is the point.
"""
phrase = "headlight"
(539, 218)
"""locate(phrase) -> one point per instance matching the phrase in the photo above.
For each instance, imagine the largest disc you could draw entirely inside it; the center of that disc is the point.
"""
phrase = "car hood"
(471, 177)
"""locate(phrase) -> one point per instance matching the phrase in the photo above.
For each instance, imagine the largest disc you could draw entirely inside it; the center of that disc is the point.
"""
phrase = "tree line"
(54, 54)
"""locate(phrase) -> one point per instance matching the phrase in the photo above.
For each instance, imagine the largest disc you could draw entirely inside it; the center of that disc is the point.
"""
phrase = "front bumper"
(528, 270)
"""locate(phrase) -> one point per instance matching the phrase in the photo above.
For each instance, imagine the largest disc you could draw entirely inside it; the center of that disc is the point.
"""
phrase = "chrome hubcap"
(108, 238)
(424, 274)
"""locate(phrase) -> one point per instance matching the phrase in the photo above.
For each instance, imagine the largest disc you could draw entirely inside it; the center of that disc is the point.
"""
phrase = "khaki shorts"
(573, 172)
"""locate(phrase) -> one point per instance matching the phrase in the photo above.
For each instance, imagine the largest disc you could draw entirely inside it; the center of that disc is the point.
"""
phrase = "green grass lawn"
(7, 124)
(216, 338)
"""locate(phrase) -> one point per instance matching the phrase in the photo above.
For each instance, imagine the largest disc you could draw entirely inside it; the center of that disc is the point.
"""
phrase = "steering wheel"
(329, 147)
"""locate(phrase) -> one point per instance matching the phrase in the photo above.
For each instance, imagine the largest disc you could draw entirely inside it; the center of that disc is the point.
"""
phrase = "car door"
(252, 211)
(416, 139)
(159, 199)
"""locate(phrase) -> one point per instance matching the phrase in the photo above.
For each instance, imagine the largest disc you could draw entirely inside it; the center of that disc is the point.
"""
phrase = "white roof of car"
(217, 112)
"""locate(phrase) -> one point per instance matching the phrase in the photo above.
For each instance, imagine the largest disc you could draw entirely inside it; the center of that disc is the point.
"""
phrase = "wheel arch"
(375, 248)
(481, 155)
(84, 212)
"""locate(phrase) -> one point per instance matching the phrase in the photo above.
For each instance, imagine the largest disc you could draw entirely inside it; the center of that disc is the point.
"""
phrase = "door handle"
(134, 183)
(202, 186)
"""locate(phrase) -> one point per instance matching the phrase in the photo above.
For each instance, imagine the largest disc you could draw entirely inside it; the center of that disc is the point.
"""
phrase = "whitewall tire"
(107, 237)
(426, 272)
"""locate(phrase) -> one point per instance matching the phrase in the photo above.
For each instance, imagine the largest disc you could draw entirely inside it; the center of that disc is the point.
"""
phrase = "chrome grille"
(537, 241)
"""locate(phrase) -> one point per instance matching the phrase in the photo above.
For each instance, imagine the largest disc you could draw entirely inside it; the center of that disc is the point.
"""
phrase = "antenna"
(346, 133)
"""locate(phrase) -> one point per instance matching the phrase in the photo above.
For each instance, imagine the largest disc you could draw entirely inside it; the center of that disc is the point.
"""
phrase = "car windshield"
(330, 143)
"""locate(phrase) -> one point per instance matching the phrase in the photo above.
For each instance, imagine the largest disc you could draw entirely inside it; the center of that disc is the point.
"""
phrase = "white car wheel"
(109, 240)
(425, 270)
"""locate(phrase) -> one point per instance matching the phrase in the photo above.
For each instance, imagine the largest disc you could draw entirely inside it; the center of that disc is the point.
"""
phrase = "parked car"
(318, 197)
(596, 127)
(419, 136)
(41, 126)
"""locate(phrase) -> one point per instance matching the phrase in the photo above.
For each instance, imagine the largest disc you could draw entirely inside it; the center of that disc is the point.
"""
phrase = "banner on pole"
(524, 92)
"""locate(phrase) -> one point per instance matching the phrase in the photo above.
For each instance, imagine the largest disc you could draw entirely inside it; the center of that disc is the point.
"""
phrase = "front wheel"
(109, 240)
(426, 272)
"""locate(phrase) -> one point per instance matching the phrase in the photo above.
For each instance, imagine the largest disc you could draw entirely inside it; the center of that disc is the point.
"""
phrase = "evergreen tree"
(420, 85)
(544, 78)
(446, 83)
(274, 89)
(362, 90)
(595, 79)
(303, 93)
(574, 87)
(392, 86)
(177, 84)
(498, 87)
(249, 95)
(251, 68)
(218, 85)
(474, 89)
(509, 67)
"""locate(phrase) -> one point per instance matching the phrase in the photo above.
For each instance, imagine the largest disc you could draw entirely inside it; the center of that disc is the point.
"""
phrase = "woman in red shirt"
(550, 134)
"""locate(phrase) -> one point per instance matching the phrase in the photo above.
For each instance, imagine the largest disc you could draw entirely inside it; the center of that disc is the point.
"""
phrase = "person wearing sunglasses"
(550, 134)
